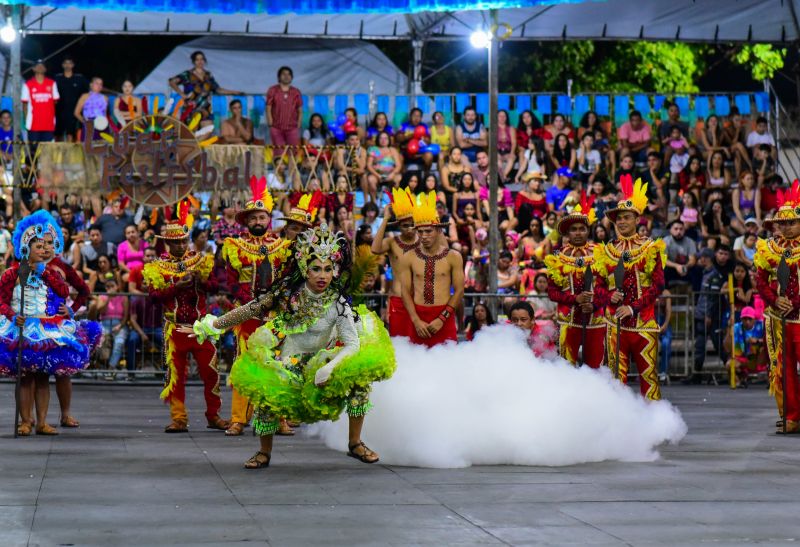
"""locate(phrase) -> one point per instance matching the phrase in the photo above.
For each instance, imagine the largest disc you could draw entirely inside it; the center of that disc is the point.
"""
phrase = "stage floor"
(118, 480)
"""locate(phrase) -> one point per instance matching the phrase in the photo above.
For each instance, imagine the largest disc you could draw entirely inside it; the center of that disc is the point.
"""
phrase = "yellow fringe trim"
(560, 267)
(169, 329)
(162, 273)
(607, 256)
(240, 252)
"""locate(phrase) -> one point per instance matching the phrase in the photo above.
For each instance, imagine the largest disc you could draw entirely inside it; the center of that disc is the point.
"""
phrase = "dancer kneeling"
(317, 355)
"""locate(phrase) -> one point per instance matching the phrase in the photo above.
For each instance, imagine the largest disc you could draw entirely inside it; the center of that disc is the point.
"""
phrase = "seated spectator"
(94, 248)
(467, 193)
(746, 201)
(607, 155)
(384, 166)
(634, 137)
(690, 215)
(507, 277)
(750, 227)
(112, 309)
(588, 160)
(681, 255)
(450, 226)
(544, 309)
(369, 215)
(532, 160)
(533, 245)
(626, 167)
(379, 123)
(604, 198)
(467, 224)
(431, 184)
(600, 233)
(453, 169)
(717, 176)
(364, 236)
(657, 179)
(749, 346)
(590, 122)
(480, 168)
(412, 182)
(316, 140)
(692, 179)
(404, 138)
(558, 127)
(73, 223)
(146, 329)
(735, 137)
(505, 206)
(471, 135)
(673, 120)
(352, 116)
(443, 136)
(530, 201)
(237, 129)
(677, 149)
(763, 164)
(351, 161)
(342, 221)
(105, 272)
(481, 317)
(506, 145)
(747, 252)
(557, 194)
(340, 197)
(135, 278)
(715, 222)
(201, 244)
(562, 155)
(760, 136)
(769, 195)
(712, 139)
(528, 127)
(743, 292)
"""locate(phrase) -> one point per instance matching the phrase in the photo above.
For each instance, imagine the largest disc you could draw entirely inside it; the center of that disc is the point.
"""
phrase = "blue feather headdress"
(36, 226)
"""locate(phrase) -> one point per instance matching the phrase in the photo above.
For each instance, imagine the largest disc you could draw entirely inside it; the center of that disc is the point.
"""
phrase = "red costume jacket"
(182, 305)
(768, 257)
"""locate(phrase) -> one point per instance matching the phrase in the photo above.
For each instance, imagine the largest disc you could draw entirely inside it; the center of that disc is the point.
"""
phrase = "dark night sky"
(116, 58)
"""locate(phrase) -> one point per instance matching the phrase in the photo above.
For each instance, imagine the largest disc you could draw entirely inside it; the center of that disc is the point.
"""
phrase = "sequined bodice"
(39, 301)
(336, 324)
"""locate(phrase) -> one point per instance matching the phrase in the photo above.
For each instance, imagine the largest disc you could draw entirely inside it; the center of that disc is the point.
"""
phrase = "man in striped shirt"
(284, 111)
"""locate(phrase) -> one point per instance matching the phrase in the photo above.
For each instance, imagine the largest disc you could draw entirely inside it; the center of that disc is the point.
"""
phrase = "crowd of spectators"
(710, 187)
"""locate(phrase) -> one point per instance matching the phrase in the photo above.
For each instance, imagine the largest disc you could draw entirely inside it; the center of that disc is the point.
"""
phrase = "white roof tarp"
(250, 65)
(684, 20)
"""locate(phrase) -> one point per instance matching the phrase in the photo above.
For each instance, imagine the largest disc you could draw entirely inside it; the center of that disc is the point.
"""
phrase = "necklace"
(304, 309)
(406, 246)
(430, 272)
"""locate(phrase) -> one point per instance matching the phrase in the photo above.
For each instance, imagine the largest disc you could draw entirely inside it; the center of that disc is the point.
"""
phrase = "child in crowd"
(680, 152)
(749, 348)
(112, 310)
(690, 215)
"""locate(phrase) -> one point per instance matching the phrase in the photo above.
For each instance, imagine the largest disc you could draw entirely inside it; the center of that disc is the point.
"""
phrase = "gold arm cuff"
(257, 308)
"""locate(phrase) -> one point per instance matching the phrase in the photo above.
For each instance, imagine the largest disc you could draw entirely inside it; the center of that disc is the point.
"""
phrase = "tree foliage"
(763, 60)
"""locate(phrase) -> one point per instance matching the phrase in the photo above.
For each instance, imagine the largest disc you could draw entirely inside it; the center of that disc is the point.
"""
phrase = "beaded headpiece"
(178, 228)
(788, 204)
(319, 243)
(579, 214)
(402, 203)
(261, 199)
(36, 226)
(305, 212)
(634, 197)
(424, 211)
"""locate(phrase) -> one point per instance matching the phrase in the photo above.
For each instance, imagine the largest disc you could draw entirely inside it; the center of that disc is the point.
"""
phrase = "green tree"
(762, 60)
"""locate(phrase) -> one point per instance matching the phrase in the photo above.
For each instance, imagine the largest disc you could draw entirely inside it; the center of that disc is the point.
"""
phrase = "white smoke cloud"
(491, 402)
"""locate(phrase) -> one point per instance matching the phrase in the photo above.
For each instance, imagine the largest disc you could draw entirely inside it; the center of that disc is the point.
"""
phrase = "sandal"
(177, 427)
(235, 430)
(218, 423)
(284, 429)
(46, 429)
(365, 455)
(24, 429)
(259, 460)
(69, 421)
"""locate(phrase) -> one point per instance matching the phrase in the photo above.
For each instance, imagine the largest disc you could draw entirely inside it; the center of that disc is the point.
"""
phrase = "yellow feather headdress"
(634, 197)
(424, 212)
(578, 214)
(261, 199)
(402, 203)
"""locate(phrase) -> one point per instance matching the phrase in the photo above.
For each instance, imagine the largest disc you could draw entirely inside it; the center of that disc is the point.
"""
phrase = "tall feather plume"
(639, 196)
(184, 218)
(626, 182)
(794, 193)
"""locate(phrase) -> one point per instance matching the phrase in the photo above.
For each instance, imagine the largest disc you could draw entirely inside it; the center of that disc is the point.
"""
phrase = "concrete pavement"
(118, 480)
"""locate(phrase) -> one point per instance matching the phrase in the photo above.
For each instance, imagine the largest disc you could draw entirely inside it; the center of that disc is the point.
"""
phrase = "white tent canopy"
(250, 65)
(685, 20)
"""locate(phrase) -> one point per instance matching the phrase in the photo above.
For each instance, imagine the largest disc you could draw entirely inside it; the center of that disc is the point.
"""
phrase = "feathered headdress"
(424, 212)
(305, 212)
(261, 199)
(402, 203)
(582, 212)
(634, 197)
(36, 226)
(179, 227)
(319, 243)
(788, 204)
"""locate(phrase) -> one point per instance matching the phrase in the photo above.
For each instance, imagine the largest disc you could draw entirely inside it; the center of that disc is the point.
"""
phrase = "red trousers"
(448, 332)
(570, 341)
(178, 348)
(241, 409)
(399, 321)
(642, 347)
(792, 394)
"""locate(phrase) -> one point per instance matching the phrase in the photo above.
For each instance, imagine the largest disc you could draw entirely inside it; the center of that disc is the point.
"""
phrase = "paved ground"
(119, 481)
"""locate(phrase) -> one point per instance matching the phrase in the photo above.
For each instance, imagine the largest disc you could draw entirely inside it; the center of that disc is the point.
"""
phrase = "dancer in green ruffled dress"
(317, 356)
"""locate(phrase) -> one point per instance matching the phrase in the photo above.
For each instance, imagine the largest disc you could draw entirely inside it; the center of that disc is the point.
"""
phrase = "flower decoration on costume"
(579, 214)
(319, 243)
(424, 211)
(402, 203)
(634, 197)
(261, 199)
(36, 226)
(180, 227)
